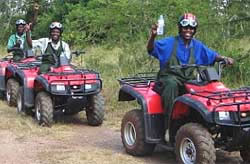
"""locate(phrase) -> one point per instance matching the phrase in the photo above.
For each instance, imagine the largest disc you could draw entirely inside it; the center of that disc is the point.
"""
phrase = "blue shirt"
(164, 47)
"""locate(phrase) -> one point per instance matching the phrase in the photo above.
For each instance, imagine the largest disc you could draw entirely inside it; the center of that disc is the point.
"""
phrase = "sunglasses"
(188, 22)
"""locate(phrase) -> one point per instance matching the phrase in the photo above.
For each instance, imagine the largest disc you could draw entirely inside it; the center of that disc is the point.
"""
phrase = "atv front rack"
(141, 80)
(28, 65)
(78, 71)
(238, 101)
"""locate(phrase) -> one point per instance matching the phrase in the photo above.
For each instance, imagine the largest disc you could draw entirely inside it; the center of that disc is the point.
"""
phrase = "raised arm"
(153, 34)
(35, 13)
(28, 36)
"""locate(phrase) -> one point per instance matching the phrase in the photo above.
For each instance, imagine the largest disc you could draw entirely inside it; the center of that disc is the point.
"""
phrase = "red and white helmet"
(188, 19)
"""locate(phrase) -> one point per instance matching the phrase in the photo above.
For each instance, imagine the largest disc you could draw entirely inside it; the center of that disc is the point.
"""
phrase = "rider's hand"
(27, 27)
(154, 30)
(36, 7)
(228, 60)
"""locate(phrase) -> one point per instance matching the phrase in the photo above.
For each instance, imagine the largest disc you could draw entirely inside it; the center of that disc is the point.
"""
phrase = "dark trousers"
(172, 87)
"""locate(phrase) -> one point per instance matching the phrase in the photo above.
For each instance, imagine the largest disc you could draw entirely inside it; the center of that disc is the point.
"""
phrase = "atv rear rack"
(140, 80)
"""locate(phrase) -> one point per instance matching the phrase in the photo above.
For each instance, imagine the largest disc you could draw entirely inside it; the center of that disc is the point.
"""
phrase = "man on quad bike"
(52, 46)
(22, 38)
(179, 50)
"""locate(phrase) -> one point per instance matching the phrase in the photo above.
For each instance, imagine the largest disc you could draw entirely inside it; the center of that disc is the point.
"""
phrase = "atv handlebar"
(78, 53)
(201, 74)
(16, 49)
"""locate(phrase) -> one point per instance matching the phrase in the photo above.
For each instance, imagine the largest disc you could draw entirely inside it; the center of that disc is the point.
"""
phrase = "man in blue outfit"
(179, 50)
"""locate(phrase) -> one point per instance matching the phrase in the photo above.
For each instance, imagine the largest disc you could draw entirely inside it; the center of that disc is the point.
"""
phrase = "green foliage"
(121, 28)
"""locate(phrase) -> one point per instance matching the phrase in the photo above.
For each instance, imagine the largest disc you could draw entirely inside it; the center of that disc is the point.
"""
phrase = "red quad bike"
(206, 117)
(64, 89)
(8, 84)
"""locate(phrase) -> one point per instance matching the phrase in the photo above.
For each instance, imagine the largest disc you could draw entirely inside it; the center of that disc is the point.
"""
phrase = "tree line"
(124, 23)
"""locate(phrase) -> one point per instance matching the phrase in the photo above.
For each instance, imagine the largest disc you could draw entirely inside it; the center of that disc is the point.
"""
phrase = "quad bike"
(8, 84)
(64, 89)
(208, 116)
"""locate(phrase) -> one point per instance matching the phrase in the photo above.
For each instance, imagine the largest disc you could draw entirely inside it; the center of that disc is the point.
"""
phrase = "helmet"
(56, 25)
(188, 19)
(20, 22)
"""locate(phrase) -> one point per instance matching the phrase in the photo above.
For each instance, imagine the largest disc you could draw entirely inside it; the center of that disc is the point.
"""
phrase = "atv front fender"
(182, 104)
(10, 71)
(41, 83)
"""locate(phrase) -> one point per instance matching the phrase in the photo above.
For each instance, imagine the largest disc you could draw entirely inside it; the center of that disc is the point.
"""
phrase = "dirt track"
(72, 141)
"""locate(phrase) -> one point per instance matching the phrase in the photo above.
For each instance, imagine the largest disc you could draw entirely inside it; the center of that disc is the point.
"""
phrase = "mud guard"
(2, 83)
(153, 123)
(42, 81)
(28, 93)
(10, 70)
(196, 105)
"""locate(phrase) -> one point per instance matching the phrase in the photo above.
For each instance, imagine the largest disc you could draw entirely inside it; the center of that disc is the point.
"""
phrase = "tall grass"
(131, 58)
(117, 62)
(3, 51)
(239, 74)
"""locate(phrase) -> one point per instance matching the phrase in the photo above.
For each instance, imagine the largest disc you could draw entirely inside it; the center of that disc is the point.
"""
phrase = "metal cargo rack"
(140, 80)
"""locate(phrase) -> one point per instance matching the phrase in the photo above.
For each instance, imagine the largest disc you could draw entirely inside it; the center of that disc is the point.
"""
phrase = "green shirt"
(22, 39)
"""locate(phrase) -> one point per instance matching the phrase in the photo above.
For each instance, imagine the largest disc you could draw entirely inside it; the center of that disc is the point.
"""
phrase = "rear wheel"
(194, 144)
(44, 109)
(95, 110)
(133, 134)
(2, 95)
(11, 93)
(20, 103)
(245, 155)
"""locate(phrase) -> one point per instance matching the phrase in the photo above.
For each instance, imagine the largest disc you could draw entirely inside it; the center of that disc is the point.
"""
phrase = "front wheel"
(44, 109)
(194, 144)
(95, 110)
(245, 155)
(133, 134)
(11, 92)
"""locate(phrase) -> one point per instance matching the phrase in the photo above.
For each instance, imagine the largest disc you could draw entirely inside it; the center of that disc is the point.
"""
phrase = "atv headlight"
(224, 116)
(88, 86)
(60, 87)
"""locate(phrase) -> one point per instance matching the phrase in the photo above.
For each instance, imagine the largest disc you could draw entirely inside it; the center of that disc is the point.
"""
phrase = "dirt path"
(72, 142)
(85, 145)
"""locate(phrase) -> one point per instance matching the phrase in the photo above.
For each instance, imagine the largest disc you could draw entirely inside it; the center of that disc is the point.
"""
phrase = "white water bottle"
(160, 29)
